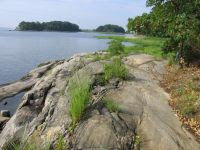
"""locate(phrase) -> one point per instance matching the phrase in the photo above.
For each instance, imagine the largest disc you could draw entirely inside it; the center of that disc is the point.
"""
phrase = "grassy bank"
(147, 45)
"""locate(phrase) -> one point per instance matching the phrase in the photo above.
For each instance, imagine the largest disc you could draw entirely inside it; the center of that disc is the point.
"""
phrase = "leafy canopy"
(178, 20)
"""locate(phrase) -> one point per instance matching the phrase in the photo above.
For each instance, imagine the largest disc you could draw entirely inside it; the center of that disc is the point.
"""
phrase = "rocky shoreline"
(145, 120)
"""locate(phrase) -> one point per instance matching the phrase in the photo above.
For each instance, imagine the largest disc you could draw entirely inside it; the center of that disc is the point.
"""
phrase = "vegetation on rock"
(110, 28)
(60, 143)
(111, 105)
(26, 145)
(48, 26)
(115, 70)
(79, 90)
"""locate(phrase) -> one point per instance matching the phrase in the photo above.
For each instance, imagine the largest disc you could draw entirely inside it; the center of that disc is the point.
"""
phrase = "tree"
(110, 28)
(178, 20)
(48, 26)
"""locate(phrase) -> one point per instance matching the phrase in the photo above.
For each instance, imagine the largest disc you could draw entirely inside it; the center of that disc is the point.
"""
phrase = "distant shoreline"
(68, 31)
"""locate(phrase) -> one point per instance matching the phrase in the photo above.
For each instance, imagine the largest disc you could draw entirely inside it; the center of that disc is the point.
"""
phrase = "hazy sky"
(88, 14)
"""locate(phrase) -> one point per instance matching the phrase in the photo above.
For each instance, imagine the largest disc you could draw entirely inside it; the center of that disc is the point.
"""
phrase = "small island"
(48, 26)
(110, 28)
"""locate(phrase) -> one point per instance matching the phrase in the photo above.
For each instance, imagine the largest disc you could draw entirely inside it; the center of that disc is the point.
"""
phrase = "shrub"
(79, 90)
(115, 70)
(111, 105)
(115, 47)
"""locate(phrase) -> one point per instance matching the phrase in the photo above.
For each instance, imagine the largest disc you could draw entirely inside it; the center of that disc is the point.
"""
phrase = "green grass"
(188, 101)
(115, 47)
(26, 145)
(60, 143)
(79, 90)
(111, 105)
(115, 70)
(189, 104)
(148, 45)
(98, 57)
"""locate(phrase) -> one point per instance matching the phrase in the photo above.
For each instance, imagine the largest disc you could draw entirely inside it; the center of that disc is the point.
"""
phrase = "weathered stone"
(5, 113)
(8, 90)
(3, 121)
(136, 60)
(143, 108)
(114, 81)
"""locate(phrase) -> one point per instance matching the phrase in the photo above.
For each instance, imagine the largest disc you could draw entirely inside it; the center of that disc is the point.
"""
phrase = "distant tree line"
(177, 20)
(48, 26)
(110, 28)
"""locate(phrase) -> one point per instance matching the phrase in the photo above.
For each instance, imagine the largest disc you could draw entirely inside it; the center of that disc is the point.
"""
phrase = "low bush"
(115, 70)
(79, 90)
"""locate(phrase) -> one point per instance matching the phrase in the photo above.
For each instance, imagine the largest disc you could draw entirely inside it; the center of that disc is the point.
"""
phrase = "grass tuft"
(60, 143)
(115, 70)
(79, 90)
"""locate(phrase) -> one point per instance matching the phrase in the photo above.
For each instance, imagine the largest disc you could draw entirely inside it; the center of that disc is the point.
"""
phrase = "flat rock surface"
(144, 121)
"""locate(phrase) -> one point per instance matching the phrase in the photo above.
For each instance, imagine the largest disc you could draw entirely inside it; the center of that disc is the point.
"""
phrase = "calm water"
(22, 51)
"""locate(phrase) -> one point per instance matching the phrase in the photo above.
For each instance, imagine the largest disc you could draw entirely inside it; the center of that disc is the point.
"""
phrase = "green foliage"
(115, 47)
(48, 26)
(110, 28)
(115, 70)
(177, 20)
(79, 90)
(60, 143)
(111, 105)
